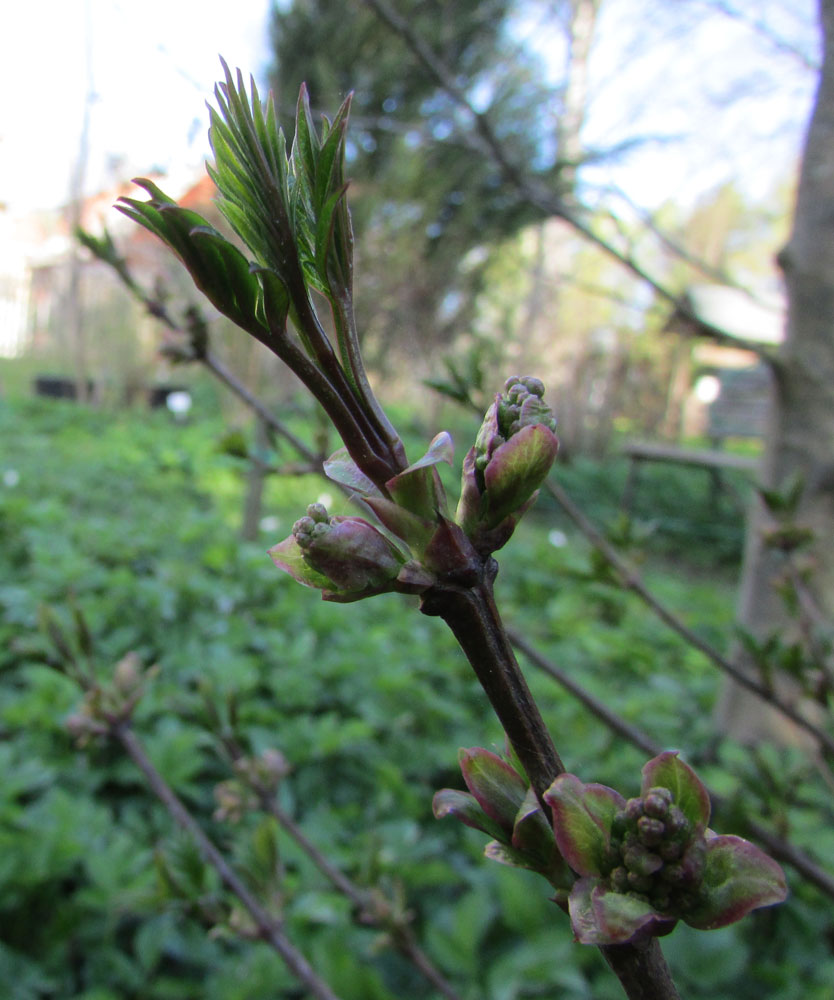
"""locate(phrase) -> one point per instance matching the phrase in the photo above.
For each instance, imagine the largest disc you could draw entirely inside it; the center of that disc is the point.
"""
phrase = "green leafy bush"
(135, 521)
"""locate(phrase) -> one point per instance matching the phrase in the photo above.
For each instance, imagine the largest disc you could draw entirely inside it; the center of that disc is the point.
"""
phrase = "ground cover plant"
(635, 883)
(368, 742)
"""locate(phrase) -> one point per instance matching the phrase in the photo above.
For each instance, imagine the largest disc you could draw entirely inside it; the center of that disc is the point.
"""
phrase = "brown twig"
(365, 903)
(269, 929)
(538, 195)
(632, 581)
(471, 614)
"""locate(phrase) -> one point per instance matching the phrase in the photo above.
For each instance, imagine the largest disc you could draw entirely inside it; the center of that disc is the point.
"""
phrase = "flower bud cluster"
(521, 405)
(343, 555)
(656, 854)
(313, 525)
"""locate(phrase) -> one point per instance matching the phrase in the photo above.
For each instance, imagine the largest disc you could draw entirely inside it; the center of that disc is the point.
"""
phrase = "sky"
(713, 100)
(152, 66)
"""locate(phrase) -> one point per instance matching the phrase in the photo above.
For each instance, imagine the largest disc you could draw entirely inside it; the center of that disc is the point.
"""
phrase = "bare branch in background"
(760, 26)
(269, 929)
(541, 197)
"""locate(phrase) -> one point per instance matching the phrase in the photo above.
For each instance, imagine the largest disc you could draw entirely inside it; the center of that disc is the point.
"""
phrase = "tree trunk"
(800, 438)
(583, 18)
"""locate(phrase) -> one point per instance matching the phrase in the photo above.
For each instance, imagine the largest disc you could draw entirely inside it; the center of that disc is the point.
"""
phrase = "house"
(59, 303)
(728, 384)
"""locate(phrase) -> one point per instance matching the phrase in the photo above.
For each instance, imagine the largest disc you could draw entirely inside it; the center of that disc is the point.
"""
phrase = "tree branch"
(632, 581)
(269, 929)
(367, 910)
(539, 196)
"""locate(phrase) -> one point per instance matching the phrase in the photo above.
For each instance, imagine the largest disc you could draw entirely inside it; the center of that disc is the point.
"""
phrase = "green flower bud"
(641, 860)
(318, 512)
(670, 866)
(638, 882)
(670, 850)
(676, 823)
(303, 531)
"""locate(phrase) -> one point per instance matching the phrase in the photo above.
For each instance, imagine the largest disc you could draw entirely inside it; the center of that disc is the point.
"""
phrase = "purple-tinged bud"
(352, 553)
(670, 850)
(318, 512)
(670, 867)
(498, 787)
(639, 883)
(619, 824)
(272, 766)
(676, 823)
(651, 830)
(619, 879)
(693, 861)
(514, 450)
(533, 385)
(674, 874)
(656, 802)
(634, 809)
(303, 531)
(341, 556)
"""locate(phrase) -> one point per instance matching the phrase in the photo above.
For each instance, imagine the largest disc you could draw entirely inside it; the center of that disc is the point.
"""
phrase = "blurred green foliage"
(135, 521)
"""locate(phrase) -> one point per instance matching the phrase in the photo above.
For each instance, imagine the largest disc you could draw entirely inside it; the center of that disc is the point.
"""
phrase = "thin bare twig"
(632, 581)
(365, 902)
(537, 194)
(269, 929)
